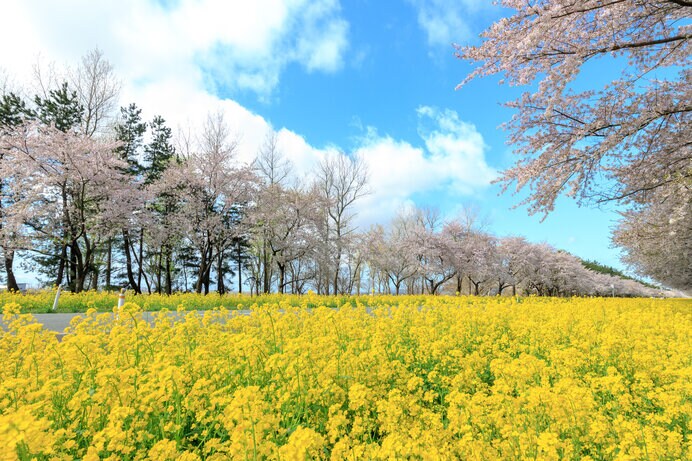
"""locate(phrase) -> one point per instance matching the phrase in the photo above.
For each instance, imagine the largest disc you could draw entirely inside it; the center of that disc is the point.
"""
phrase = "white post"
(57, 298)
(121, 298)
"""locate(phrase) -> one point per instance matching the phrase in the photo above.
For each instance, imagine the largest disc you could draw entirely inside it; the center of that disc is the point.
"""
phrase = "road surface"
(60, 321)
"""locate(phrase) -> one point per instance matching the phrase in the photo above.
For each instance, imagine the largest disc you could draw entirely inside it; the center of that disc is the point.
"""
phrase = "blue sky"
(372, 78)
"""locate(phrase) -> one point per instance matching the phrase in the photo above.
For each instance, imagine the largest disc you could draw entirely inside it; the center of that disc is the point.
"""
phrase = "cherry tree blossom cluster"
(622, 134)
(420, 253)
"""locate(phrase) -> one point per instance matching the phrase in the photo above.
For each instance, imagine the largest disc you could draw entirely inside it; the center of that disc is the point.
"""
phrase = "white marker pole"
(57, 298)
(121, 298)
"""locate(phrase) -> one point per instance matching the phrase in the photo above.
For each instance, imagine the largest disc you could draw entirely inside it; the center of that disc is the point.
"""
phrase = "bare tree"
(341, 180)
(45, 77)
(273, 170)
(98, 89)
(184, 141)
(271, 165)
(95, 83)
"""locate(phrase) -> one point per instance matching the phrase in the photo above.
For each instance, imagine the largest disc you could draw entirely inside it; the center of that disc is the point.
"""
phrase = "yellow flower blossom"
(370, 377)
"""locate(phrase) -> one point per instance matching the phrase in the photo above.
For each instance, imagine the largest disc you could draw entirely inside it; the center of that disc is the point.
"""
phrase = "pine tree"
(240, 248)
(130, 132)
(13, 111)
(160, 151)
(158, 155)
(61, 108)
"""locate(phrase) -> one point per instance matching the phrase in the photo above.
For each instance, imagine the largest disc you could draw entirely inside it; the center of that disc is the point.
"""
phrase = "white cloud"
(452, 163)
(447, 21)
(171, 59)
(241, 45)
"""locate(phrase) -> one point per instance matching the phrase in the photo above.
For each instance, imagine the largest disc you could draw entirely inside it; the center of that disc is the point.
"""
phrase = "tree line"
(98, 198)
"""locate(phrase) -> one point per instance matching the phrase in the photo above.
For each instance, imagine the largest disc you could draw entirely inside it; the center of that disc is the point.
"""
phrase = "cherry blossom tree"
(611, 143)
(510, 258)
(628, 141)
(283, 223)
(434, 250)
(13, 112)
(68, 188)
(657, 243)
(473, 249)
(389, 254)
(209, 185)
(482, 252)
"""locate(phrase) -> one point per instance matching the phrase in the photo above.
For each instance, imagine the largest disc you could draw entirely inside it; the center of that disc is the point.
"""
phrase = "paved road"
(55, 322)
(59, 322)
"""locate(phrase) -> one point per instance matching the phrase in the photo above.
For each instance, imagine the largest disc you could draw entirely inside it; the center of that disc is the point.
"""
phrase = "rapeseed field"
(379, 377)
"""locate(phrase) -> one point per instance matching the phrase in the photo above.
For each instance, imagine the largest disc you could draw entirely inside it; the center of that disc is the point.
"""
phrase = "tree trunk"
(85, 263)
(128, 262)
(61, 266)
(265, 262)
(9, 254)
(9, 270)
(207, 275)
(220, 287)
(434, 286)
(476, 286)
(169, 278)
(90, 267)
(159, 271)
(204, 268)
(94, 280)
(140, 262)
(282, 277)
(109, 263)
(240, 270)
(200, 273)
(336, 271)
(74, 252)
